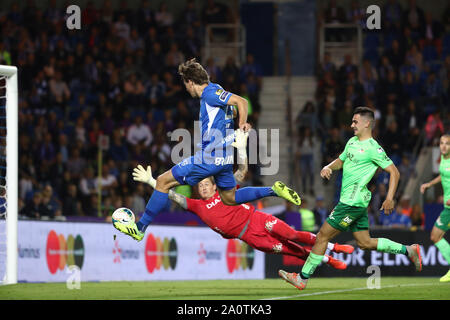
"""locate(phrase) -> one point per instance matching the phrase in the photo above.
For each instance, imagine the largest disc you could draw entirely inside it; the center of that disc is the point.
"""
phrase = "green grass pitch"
(391, 288)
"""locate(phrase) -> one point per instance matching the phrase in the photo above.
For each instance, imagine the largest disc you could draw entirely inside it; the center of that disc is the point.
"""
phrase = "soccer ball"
(123, 215)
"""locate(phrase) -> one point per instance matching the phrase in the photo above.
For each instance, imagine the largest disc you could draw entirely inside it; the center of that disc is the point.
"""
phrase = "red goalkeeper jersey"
(229, 221)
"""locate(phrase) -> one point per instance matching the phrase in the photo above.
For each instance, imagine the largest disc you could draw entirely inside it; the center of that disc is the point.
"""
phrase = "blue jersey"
(216, 125)
(215, 157)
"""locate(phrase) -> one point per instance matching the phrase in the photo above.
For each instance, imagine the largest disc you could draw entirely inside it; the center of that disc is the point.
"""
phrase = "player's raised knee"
(161, 180)
(166, 181)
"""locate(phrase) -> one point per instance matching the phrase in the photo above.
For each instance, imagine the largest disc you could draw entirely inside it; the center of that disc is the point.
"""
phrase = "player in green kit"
(442, 223)
(361, 158)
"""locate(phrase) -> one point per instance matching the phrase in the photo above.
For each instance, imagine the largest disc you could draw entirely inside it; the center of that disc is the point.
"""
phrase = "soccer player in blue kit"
(216, 155)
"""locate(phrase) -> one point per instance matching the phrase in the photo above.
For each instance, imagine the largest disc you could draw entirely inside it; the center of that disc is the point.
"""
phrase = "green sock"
(389, 246)
(444, 248)
(311, 264)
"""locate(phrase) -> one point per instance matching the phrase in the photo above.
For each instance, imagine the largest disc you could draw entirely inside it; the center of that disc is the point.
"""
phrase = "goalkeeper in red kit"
(259, 230)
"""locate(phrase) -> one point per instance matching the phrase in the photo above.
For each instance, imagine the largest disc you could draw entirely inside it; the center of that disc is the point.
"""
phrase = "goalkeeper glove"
(145, 176)
(240, 144)
(240, 139)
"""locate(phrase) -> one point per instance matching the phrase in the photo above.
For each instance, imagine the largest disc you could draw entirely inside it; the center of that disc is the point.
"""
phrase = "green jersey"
(361, 161)
(444, 171)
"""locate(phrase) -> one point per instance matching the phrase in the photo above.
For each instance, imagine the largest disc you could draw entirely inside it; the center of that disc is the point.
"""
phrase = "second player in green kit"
(359, 161)
(442, 223)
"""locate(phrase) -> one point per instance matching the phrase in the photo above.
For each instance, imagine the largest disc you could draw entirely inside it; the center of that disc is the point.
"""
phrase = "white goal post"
(10, 97)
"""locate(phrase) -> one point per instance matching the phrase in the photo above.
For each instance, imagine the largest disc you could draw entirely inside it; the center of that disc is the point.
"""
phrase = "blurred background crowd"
(117, 77)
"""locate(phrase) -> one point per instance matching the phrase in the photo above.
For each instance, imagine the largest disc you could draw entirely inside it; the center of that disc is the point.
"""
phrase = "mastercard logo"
(160, 253)
(239, 255)
(63, 252)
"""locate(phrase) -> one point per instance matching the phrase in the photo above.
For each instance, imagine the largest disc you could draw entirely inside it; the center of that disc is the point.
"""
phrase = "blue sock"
(157, 202)
(250, 194)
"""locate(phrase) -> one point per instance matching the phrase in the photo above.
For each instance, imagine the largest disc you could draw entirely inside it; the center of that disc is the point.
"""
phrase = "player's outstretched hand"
(326, 172)
(387, 206)
(423, 187)
(240, 141)
(142, 175)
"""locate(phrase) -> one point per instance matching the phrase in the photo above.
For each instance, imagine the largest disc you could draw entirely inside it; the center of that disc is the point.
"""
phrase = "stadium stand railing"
(217, 42)
(352, 45)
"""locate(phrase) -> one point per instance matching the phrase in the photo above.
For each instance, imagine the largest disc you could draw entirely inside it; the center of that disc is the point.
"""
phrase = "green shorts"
(443, 221)
(349, 218)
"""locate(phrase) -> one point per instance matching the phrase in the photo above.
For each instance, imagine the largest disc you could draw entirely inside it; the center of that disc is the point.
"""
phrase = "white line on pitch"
(349, 290)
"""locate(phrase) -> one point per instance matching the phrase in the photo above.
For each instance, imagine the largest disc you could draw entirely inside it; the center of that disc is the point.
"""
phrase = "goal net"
(8, 174)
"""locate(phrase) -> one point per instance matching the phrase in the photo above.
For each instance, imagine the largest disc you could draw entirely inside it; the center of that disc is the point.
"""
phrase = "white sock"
(330, 246)
(325, 259)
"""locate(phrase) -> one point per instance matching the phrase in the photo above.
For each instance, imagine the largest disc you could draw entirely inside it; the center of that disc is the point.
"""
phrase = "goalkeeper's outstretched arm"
(178, 198)
(142, 175)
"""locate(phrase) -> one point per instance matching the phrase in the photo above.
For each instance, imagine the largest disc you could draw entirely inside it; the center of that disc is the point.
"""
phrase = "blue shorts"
(187, 172)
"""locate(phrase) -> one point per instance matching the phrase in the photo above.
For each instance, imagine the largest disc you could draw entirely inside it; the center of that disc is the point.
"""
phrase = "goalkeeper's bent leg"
(282, 230)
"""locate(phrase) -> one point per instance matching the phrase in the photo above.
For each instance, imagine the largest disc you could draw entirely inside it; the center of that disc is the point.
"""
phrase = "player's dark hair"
(194, 71)
(367, 113)
(364, 111)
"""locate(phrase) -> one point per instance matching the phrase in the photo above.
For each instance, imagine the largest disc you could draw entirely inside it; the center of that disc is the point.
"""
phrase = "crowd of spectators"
(116, 77)
(403, 76)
